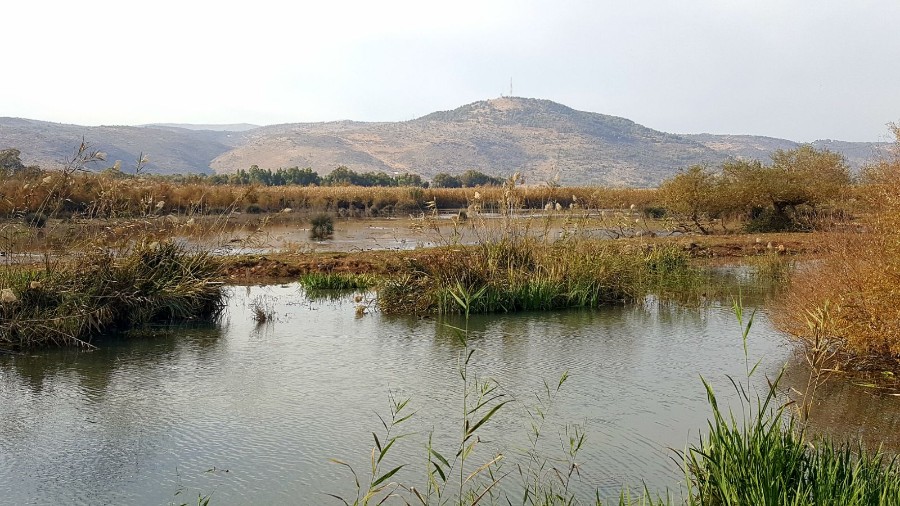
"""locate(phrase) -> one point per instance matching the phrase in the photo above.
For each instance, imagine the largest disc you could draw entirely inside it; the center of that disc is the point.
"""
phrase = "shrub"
(321, 227)
(774, 197)
(851, 297)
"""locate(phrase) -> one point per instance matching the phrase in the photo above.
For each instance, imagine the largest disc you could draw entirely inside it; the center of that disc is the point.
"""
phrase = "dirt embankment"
(281, 266)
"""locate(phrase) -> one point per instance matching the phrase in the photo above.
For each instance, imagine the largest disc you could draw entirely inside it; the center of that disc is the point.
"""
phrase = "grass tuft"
(336, 281)
(321, 227)
(106, 291)
(527, 275)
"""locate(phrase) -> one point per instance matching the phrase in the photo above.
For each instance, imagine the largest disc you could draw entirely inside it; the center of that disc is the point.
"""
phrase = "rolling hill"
(541, 139)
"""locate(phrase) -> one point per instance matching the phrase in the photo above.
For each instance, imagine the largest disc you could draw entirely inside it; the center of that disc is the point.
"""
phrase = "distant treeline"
(341, 176)
(11, 165)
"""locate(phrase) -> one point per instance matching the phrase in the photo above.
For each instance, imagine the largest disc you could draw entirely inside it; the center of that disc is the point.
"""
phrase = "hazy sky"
(799, 69)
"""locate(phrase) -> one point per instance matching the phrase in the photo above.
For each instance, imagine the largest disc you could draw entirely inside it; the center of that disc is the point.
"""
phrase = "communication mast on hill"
(510, 87)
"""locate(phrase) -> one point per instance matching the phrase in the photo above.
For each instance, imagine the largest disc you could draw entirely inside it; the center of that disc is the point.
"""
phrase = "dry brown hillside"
(544, 140)
(538, 138)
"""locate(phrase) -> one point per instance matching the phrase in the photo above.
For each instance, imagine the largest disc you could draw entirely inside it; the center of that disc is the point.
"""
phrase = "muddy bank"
(255, 268)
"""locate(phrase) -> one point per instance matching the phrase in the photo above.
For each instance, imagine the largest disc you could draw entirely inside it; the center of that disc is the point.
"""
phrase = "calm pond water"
(254, 413)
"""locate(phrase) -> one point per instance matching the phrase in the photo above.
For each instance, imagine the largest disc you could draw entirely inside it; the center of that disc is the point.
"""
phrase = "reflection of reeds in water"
(262, 310)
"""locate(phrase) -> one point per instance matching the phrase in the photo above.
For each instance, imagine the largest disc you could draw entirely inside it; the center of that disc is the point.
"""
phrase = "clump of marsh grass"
(321, 227)
(772, 266)
(336, 281)
(526, 274)
(762, 459)
(106, 290)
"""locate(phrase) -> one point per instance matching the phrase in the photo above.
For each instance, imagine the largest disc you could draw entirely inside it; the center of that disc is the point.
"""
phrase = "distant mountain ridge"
(231, 127)
(169, 150)
(544, 140)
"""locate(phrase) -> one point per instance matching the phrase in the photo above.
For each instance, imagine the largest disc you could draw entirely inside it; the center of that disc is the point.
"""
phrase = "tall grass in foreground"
(766, 457)
(71, 303)
(462, 473)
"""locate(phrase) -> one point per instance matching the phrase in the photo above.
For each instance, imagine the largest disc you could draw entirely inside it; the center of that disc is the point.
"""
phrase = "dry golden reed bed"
(96, 195)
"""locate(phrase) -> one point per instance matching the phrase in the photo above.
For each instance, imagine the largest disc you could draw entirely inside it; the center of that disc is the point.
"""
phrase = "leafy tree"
(374, 179)
(239, 177)
(774, 197)
(341, 176)
(298, 176)
(471, 178)
(10, 161)
(809, 176)
(408, 179)
(693, 194)
(444, 180)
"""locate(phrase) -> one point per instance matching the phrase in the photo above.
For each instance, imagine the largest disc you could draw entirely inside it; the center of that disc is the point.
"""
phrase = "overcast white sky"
(799, 69)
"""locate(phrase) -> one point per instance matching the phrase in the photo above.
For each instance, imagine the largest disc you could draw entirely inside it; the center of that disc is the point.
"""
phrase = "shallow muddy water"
(252, 414)
(364, 234)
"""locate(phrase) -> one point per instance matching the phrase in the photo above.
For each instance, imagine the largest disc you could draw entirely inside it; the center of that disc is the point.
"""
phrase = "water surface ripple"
(253, 413)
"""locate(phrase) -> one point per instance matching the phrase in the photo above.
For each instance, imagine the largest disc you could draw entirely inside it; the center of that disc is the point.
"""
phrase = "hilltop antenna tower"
(510, 87)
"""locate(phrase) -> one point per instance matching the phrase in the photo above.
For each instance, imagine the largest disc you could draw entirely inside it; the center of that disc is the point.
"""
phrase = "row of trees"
(467, 179)
(341, 176)
(784, 195)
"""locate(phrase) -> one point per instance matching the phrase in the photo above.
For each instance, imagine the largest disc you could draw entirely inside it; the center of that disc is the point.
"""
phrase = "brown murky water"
(358, 234)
